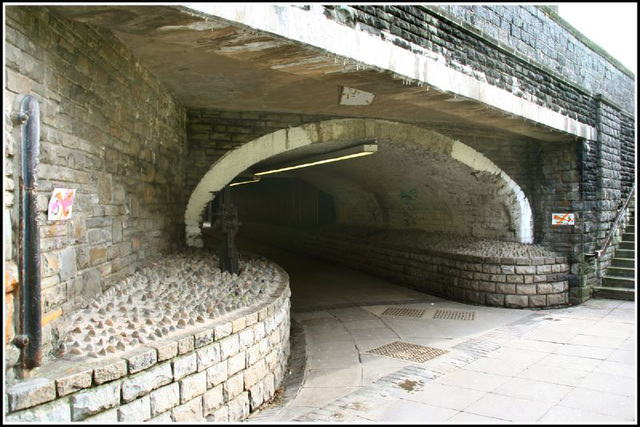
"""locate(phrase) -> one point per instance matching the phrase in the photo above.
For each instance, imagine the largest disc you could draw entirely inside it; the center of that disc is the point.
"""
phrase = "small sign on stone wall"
(563, 219)
(61, 204)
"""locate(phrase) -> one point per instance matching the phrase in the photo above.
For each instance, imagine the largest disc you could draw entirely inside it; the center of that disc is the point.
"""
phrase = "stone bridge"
(486, 121)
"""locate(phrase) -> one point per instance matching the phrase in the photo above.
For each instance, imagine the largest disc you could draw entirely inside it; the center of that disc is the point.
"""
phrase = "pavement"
(366, 350)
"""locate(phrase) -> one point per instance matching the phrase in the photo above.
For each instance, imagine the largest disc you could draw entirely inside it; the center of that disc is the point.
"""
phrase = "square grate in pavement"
(403, 312)
(407, 351)
(455, 315)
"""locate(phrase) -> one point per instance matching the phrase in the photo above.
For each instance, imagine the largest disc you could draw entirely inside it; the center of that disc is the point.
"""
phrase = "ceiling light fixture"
(335, 156)
(246, 181)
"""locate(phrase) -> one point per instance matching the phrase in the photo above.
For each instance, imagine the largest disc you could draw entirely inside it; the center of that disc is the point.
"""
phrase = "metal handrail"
(616, 222)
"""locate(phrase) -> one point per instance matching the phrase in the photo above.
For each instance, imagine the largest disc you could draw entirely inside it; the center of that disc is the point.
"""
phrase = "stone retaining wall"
(513, 282)
(109, 130)
(220, 372)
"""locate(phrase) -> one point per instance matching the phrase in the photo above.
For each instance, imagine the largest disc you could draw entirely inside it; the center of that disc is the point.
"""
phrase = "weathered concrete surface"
(304, 66)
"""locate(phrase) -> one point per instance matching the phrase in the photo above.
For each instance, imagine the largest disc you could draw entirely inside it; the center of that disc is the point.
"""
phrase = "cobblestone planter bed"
(219, 370)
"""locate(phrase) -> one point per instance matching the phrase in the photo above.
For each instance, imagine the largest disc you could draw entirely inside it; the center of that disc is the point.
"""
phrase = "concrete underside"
(208, 62)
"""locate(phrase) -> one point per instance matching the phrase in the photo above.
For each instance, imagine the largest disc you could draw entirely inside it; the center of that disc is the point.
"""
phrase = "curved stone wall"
(527, 279)
(220, 371)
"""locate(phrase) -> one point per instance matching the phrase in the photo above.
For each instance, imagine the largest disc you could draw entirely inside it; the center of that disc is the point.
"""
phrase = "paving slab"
(403, 411)
(571, 362)
(553, 374)
(480, 381)
(533, 390)
(623, 356)
(613, 405)
(608, 383)
(509, 368)
(617, 368)
(565, 366)
(446, 396)
(317, 397)
(564, 415)
(341, 377)
(467, 418)
(510, 408)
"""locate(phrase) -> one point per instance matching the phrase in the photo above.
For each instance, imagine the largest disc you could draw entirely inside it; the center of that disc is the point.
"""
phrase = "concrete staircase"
(619, 280)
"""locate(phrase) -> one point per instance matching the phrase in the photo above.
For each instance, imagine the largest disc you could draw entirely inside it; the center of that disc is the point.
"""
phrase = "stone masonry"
(134, 150)
(514, 281)
(219, 372)
(110, 131)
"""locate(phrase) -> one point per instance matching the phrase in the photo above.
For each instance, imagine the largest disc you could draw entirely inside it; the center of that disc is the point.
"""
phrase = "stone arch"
(240, 159)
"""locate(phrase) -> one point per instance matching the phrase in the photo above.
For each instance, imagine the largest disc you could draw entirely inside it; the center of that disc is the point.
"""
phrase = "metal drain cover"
(403, 312)
(406, 351)
(455, 315)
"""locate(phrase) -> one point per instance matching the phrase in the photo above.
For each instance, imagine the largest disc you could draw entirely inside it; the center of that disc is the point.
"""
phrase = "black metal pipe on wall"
(29, 245)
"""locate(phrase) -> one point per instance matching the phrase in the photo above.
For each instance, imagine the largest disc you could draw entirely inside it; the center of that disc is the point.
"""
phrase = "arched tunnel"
(406, 211)
(401, 186)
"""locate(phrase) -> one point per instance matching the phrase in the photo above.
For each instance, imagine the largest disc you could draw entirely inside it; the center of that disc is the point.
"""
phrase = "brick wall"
(109, 130)
(219, 373)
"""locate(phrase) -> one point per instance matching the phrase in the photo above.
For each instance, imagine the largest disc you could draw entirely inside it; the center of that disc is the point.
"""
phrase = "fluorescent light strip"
(244, 182)
(368, 149)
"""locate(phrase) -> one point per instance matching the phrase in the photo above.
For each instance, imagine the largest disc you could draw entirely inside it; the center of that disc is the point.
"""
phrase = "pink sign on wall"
(61, 204)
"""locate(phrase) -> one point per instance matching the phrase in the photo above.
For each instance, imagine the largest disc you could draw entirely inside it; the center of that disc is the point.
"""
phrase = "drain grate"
(403, 312)
(455, 315)
(406, 351)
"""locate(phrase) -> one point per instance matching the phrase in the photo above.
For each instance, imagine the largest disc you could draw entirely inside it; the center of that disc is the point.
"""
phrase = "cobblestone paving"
(182, 291)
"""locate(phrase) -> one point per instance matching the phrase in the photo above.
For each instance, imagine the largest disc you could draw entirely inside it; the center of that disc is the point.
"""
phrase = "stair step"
(628, 237)
(619, 282)
(623, 262)
(626, 253)
(615, 271)
(614, 293)
(630, 228)
(627, 245)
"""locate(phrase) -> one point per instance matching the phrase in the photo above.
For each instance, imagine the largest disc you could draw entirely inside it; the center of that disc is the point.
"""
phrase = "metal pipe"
(599, 183)
(29, 246)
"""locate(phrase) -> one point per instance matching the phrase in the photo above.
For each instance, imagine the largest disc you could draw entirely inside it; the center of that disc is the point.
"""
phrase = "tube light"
(348, 153)
(249, 181)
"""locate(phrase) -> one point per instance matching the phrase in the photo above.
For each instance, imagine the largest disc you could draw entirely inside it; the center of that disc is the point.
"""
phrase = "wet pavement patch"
(410, 385)
(407, 351)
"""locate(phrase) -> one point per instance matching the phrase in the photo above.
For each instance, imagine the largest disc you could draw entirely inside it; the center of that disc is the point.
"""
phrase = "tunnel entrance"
(426, 211)
(280, 201)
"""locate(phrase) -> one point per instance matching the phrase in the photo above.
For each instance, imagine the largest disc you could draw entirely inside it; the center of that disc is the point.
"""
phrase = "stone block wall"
(212, 133)
(465, 48)
(562, 50)
(110, 131)
(503, 45)
(220, 372)
(512, 282)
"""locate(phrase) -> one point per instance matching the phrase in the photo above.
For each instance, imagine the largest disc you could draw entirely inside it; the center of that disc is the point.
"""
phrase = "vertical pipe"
(599, 184)
(31, 312)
